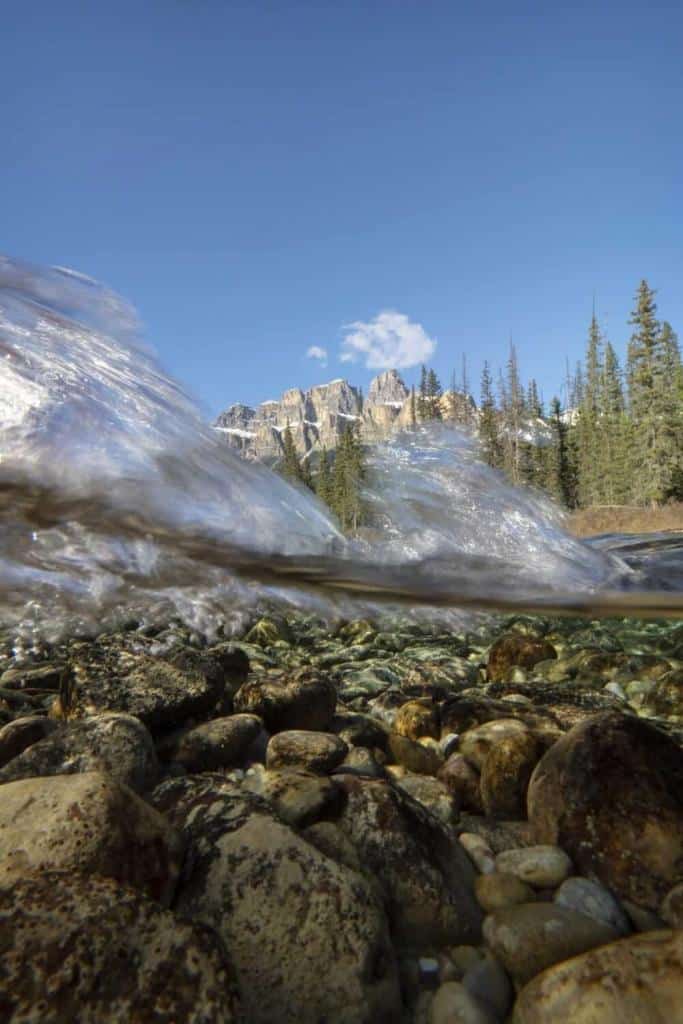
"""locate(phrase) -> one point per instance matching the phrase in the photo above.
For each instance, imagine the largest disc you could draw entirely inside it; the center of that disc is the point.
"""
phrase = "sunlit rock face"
(319, 416)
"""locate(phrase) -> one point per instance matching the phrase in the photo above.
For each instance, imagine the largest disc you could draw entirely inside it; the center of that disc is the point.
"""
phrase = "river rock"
(308, 937)
(298, 797)
(88, 823)
(542, 866)
(426, 876)
(505, 775)
(638, 980)
(594, 900)
(672, 907)
(515, 649)
(498, 889)
(477, 743)
(416, 757)
(220, 743)
(431, 794)
(479, 852)
(85, 948)
(462, 781)
(359, 730)
(610, 793)
(117, 745)
(312, 751)
(161, 692)
(453, 1004)
(17, 736)
(489, 984)
(417, 718)
(530, 937)
(302, 699)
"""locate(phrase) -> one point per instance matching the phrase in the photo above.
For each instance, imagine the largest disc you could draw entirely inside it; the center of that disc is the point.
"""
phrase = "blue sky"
(256, 177)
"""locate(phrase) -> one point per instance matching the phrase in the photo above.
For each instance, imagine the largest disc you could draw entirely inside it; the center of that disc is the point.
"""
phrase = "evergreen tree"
(615, 432)
(413, 408)
(589, 440)
(349, 474)
(558, 479)
(489, 432)
(434, 393)
(422, 401)
(291, 464)
(656, 446)
(323, 483)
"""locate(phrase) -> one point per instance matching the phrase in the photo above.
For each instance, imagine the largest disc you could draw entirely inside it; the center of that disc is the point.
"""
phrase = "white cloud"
(316, 352)
(390, 341)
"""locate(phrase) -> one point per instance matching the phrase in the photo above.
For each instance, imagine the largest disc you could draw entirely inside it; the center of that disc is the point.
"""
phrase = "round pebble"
(541, 866)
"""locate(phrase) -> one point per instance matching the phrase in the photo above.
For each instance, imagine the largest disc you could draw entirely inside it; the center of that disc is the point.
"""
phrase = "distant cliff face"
(319, 416)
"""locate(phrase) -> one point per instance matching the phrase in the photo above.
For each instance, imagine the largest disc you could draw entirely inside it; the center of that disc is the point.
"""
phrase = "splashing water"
(116, 498)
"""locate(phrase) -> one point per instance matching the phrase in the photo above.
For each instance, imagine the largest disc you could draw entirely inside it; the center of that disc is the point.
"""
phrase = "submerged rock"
(308, 936)
(529, 937)
(88, 823)
(516, 650)
(115, 744)
(427, 878)
(84, 948)
(610, 793)
(221, 743)
(635, 980)
(301, 748)
(300, 700)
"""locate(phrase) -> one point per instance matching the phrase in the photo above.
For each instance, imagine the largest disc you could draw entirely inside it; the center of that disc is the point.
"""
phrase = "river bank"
(589, 522)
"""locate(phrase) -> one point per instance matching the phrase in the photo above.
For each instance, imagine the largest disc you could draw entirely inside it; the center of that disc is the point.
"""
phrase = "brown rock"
(638, 980)
(499, 889)
(461, 779)
(505, 775)
(414, 756)
(610, 793)
(300, 700)
(417, 718)
(84, 948)
(515, 649)
(300, 748)
(529, 937)
(221, 743)
(476, 744)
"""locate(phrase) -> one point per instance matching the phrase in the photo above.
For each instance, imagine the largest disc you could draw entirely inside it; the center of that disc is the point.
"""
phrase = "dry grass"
(587, 522)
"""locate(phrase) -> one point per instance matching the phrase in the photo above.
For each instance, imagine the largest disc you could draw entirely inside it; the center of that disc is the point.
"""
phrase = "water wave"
(116, 498)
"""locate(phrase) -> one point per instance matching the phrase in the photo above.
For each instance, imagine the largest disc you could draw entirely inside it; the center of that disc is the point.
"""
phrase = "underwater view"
(257, 768)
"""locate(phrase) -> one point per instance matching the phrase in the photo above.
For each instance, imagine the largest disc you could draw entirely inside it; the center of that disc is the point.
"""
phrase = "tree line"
(616, 440)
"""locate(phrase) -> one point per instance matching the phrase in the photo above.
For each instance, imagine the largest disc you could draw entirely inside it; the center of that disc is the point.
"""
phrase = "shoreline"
(590, 522)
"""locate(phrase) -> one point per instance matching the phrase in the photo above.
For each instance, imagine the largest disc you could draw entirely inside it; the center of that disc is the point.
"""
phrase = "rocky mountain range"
(317, 417)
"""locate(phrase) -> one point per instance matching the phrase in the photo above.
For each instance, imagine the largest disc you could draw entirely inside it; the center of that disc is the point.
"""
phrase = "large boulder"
(638, 980)
(84, 948)
(88, 823)
(610, 793)
(161, 692)
(22, 733)
(115, 744)
(505, 775)
(302, 699)
(426, 876)
(308, 936)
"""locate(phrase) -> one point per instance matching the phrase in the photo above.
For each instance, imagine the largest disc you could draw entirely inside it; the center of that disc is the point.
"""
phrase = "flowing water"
(116, 498)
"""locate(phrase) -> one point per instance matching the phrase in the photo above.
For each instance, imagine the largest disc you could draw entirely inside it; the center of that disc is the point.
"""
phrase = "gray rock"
(88, 823)
(308, 937)
(594, 900)
(299, 798)
(542, 866)
(453, 1004)
(488, 983)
